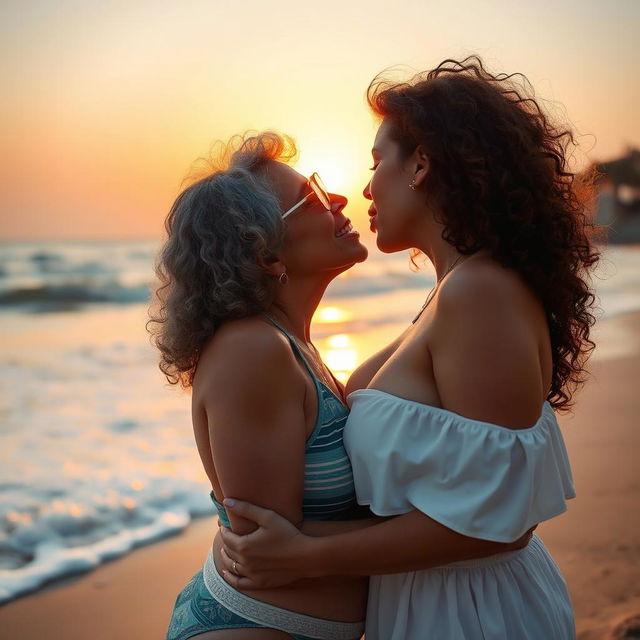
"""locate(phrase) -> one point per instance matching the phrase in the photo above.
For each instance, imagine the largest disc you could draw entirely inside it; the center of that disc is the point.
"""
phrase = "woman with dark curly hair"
(452, 427)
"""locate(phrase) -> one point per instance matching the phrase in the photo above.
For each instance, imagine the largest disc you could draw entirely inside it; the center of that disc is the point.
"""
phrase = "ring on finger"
(233, 567)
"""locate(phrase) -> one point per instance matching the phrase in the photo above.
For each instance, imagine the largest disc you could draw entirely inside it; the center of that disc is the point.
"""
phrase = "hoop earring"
(283, 278)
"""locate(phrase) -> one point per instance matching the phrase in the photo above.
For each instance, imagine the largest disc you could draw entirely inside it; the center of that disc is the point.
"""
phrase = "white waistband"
(272, 616)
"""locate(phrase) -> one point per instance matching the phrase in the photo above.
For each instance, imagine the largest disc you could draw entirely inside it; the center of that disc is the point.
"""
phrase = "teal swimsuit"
(329, 494)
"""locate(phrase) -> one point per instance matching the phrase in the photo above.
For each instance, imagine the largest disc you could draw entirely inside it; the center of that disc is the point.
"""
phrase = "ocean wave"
(52, 297)
(62, 537)
(49, 276)
(62, 293)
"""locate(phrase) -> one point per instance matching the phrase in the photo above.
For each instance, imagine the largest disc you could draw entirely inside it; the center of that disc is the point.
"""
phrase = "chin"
(387, 246)
(363, 254)
(358, 254)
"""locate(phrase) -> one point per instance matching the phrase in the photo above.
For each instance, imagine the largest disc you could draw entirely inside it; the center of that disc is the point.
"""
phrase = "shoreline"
(594, 542)
(130, 596)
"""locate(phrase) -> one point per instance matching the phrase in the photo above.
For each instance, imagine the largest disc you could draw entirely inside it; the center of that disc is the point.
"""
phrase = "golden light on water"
(129, 503)
(340, 356)
(339, 341)
(17, 518)
(76, 510)
(337, 350)
(341, 360)
(71, 468)
(172, 519)
(331, 315)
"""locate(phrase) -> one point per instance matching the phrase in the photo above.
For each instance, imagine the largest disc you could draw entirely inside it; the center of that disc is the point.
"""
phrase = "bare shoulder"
(487, 342)
(483, 285)
(248, 336)
(246, 351)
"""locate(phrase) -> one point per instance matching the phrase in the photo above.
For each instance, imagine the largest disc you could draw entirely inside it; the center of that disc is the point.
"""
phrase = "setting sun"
(332, 163)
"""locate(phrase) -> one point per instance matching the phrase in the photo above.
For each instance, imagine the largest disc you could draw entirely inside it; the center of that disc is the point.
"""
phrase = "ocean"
(97, 455)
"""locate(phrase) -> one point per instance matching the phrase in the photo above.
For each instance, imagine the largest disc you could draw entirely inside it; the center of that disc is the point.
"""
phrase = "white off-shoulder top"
(477, 478)
(481, 480)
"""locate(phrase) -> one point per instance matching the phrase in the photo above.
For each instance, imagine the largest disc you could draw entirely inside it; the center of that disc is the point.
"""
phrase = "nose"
(366, 192)
(338, 203)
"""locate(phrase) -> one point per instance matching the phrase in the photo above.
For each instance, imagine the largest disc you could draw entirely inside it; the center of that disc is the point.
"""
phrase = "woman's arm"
(255, 419)
(278, 553)
(335, 527)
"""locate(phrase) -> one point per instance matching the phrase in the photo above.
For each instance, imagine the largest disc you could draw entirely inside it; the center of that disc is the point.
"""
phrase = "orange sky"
(106, 104)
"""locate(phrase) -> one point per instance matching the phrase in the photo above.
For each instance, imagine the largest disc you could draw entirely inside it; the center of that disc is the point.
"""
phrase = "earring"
(283, 278)
(413, 185)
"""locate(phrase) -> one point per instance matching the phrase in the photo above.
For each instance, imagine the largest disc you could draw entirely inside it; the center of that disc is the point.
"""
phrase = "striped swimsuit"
(329, 494)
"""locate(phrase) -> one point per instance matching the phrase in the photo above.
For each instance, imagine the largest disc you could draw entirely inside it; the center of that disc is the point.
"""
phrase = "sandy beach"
(595, 543)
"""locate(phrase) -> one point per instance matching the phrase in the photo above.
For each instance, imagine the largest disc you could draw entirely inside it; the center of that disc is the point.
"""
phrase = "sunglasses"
(318, 189)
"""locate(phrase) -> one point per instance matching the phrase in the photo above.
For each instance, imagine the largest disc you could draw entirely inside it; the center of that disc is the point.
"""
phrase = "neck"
(441, 254)
(296, 302)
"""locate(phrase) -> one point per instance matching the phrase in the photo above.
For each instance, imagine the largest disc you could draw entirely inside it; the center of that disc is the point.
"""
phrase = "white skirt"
(519, 595)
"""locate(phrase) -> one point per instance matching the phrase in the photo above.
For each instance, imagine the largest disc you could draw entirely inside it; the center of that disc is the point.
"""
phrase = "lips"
(344, 229)
(372, 218)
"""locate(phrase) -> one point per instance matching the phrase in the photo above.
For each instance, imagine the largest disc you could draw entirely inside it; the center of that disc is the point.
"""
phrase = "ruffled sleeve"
(477, 478)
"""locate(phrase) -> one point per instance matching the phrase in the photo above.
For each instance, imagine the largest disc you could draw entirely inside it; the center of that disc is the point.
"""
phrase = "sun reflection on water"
(331, 315)
(337, 349)
(340, 355)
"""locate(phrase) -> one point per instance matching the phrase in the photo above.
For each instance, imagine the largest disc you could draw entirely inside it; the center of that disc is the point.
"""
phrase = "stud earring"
(413, 185)
(283, 278)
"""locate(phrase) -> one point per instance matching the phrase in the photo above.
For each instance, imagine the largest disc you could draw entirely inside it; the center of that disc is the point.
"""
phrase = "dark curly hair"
(499, 180)
(217, 230)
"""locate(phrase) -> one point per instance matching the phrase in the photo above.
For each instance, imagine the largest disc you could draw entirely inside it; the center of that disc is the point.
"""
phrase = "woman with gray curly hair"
(251, 249)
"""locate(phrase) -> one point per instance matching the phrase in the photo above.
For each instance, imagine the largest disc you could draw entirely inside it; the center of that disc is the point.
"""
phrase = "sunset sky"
(106, 104)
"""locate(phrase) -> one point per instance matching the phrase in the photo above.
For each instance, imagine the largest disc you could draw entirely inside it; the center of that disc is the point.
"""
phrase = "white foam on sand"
(97, 453)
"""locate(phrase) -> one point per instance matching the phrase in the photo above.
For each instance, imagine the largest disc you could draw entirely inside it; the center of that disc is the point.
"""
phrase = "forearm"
(409, 542)
(320, 528)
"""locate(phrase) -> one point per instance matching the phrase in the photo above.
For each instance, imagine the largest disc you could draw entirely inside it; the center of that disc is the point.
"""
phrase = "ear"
(420, 165)
(272, 265)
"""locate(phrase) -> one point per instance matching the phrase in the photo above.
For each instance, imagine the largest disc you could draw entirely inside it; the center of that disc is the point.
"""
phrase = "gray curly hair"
(217, 230)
